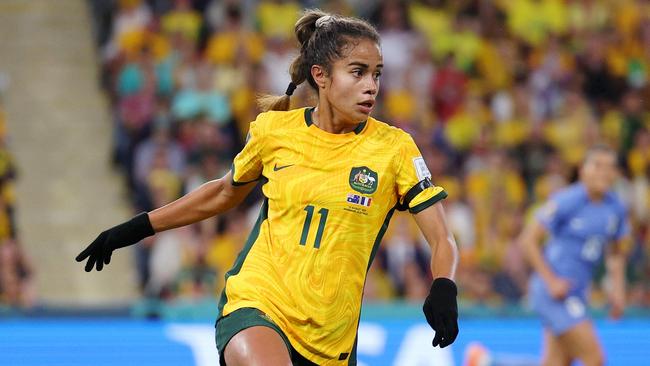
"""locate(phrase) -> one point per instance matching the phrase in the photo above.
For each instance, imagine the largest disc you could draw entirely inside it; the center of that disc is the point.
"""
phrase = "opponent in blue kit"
(582, 224)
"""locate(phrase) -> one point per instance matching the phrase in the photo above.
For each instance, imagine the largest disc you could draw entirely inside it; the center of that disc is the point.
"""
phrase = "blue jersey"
(579, 232)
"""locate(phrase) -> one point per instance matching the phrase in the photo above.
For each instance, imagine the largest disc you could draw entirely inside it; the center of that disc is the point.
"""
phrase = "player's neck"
(326, 120)
(594, 195)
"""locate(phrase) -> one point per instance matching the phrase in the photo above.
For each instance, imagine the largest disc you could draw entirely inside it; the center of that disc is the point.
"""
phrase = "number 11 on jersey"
(321, 225)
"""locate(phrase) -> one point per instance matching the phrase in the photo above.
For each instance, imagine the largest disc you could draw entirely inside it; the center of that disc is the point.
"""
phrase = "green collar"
(309, 121)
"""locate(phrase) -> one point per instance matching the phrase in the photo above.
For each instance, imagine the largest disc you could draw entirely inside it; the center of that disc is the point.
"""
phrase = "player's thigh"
(582, 343)
(257, 346)
(553, 351)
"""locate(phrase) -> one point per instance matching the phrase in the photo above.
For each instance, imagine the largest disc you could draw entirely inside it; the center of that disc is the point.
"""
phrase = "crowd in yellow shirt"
(16, 270)
(503, 98)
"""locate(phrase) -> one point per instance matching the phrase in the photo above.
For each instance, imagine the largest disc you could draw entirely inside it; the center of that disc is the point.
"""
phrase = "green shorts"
(243, 318)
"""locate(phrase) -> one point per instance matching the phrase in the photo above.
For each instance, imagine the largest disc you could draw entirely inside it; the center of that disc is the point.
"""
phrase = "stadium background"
(108, 108)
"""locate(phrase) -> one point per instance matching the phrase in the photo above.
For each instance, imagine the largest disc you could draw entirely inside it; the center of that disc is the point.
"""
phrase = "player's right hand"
(558, 287)
(130, 232)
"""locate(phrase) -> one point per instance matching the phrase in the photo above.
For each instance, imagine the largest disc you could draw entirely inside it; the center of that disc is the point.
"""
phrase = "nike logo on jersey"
(276, 167)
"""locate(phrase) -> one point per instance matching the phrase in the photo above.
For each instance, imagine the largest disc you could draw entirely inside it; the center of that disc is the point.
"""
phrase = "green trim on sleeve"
(234, 183)
(421, 206)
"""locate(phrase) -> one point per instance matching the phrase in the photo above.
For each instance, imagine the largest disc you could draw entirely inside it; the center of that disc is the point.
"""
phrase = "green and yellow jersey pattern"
(328, 200)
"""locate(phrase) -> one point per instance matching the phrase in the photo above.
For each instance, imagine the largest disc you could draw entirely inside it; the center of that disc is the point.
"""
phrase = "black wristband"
(132, 231)
(141, 225)
(445, 286)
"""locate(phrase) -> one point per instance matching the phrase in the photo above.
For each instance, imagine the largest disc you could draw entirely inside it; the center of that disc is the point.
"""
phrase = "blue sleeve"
(555, 211)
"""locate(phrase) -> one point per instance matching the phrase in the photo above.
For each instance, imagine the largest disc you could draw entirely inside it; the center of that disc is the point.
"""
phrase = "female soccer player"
(332, 177)
(582, 222)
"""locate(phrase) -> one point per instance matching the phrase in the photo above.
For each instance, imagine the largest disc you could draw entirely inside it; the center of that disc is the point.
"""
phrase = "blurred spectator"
(221, 250)
(161, 141)
(511, 280)
(277, 17)
(402, 247)
(131, 19)
(635, 116)
(17, 287)
(182, 19)
(399, 43)
(200, 97)
(233, 40)
(448, 89)
(165, 258)
(276, 62)
(533, 21)
(600, 85)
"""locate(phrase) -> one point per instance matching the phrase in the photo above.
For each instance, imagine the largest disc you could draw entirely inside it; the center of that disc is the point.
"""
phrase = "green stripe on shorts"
(244, 318)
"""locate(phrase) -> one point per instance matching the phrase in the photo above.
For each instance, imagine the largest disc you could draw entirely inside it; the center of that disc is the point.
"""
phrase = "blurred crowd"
(502, 97)
(17, 288)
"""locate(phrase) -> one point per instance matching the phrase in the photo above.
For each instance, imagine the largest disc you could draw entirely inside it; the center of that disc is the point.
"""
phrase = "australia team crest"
(363, 180)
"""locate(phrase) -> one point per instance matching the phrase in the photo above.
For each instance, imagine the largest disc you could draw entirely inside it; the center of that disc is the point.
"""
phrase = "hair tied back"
(324, 20)
(292, 86)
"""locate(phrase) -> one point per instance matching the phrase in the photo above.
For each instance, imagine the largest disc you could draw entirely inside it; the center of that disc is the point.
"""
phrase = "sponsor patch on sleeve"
(421, 168)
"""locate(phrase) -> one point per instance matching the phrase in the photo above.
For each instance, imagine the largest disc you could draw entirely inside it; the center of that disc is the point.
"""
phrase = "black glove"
(441, 311)
(125, 234)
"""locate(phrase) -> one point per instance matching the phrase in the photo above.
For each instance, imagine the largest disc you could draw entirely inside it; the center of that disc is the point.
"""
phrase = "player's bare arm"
(530, 240)
(444, 252)
(210, 199)
(440, 307)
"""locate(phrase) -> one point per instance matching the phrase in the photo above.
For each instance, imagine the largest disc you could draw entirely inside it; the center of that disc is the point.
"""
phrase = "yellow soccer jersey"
(328, 200)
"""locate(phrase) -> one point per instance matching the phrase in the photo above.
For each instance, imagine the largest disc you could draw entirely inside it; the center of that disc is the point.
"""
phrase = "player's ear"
(319, 75)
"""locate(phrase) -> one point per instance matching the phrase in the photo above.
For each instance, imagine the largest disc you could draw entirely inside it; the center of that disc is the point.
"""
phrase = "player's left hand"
(441, 310)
